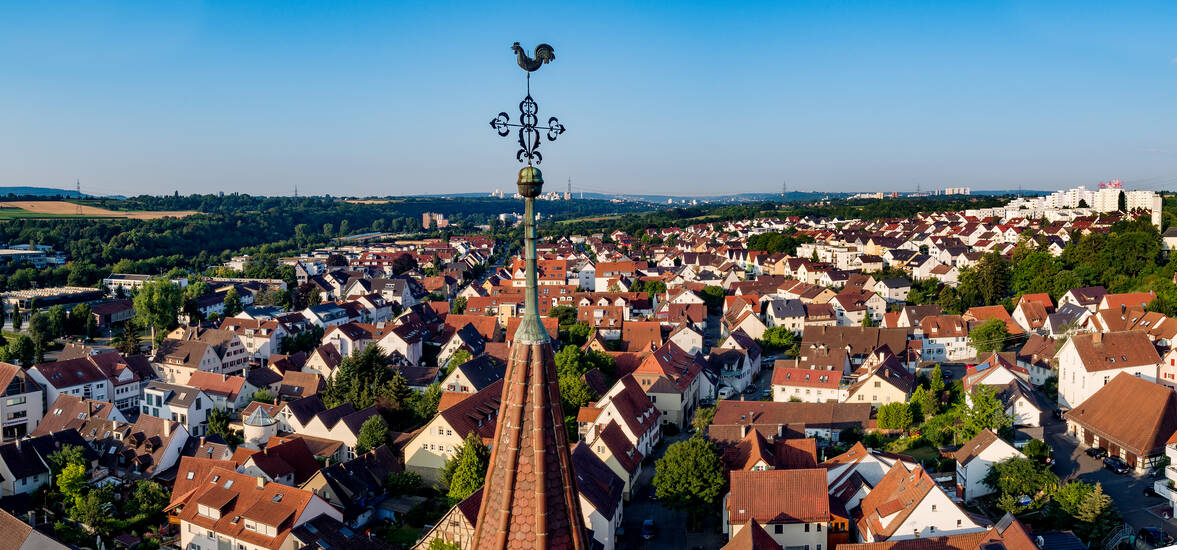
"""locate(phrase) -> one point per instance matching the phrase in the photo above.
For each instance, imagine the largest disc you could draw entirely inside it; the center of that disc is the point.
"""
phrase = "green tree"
(986, 412)
(147, 499)
(71, 480)
(263, 395)
(81, 320)
(936, 387)
(922, 404)
(703, 418)
(96, 509)
(40, 329)
(578, 333)
(895, 416)
(424, 404)
(23, 349)
(57, 321)
(458, 305)
(402, 483)
(17, 317)
(128, 341)
(441, 544)
(867, 321)
(780, 339)
(218, 423)
(68, 454)
(465, 472)
(232, 302)
(459, 357)
(566, 315)
(712, 297)
(1037, 451)
(156, 305)
(1017, 476)
(373, 433)
(690, 476)
(989, 336)
(399, 391)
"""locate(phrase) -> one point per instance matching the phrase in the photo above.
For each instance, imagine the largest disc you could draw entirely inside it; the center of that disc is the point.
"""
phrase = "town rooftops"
(779, 496)
(1114, 350)
(1142, 428)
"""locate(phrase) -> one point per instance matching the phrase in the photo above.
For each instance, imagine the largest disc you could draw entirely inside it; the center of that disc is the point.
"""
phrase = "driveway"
(671, 525)
(1127, 491)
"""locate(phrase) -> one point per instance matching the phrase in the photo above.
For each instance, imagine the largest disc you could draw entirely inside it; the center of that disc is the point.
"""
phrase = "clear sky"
(386, 97)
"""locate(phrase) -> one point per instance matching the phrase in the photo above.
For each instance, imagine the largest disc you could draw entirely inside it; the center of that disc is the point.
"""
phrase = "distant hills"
(41, 192)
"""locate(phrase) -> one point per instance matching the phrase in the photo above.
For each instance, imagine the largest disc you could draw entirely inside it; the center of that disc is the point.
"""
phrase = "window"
(778, 529)
(958, 523)
(13, 401)
(819, 530)
(806, 527)
(931, 528)
(933, 507)
(878, 384)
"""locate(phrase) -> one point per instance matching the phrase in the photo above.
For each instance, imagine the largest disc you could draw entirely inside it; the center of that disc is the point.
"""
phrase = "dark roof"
(596, 482)
(324, 532)
(306, 408)
(483, 371)
(354, 482)
(28, 457)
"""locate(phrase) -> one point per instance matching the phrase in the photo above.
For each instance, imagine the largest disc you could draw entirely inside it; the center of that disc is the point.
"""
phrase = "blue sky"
(378, 98)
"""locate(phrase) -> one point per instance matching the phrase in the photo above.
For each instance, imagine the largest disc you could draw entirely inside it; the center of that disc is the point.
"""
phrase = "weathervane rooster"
(543, 54)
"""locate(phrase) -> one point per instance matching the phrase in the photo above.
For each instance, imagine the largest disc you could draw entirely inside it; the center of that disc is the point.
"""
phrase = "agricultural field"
(63, 209)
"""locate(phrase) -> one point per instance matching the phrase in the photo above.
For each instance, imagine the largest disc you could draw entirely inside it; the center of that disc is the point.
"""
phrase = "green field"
(17, 213)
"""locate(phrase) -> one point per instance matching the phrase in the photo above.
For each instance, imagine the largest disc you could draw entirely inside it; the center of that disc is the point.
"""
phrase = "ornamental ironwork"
(529, 132)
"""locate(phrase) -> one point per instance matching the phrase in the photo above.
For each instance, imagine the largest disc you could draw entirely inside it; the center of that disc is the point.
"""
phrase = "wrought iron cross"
(529, 129)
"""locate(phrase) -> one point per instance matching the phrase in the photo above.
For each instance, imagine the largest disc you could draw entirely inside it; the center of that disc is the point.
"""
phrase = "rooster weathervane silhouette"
(529, 131)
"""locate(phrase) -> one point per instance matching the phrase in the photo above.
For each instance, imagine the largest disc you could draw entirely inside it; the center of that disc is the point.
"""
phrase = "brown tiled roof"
(768, 417)
(641, 336)
(70, 411)
(944, 326)
(627, 455)
(895, 497)
(477, 412)
(752, 537)
(975, 446)
(985, 313)
(779, 496)
(274, 504)
(1007, 534)
(1142, 428)
(1100, 351)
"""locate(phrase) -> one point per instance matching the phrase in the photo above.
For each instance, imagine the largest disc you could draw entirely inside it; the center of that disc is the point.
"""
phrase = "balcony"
(1161, 486)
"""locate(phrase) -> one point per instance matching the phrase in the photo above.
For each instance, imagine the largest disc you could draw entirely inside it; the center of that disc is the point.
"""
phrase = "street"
(1126, 490)
(671, 526)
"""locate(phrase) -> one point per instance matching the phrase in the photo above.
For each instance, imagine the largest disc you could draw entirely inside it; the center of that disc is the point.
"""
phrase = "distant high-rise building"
(434, 219)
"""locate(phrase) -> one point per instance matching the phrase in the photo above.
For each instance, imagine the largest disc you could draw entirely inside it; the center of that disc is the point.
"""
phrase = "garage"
(1088, 438)
(1113, 449)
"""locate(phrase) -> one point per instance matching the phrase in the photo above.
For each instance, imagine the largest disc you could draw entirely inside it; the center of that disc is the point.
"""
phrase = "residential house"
(1088, 361)
(670, 377)
(946, 338)
(356, 487)
(24, 464)
(21, 403)
(907, 504)
(184, 404)
(426, 452)
(233, 510)
(976, 459)
(791, 505)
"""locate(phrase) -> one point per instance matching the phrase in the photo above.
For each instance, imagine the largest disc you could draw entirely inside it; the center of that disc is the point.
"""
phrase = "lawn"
(922, 453)
(17, 213)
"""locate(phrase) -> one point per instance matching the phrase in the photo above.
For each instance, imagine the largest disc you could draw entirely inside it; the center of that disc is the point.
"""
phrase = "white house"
(1088, 361)
(974, 461)
(187, 405)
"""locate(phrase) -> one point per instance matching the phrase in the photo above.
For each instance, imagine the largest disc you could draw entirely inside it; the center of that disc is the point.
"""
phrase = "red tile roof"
(779, 496)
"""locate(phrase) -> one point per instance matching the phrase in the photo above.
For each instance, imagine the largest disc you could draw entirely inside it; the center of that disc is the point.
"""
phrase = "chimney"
(1097, 337)
(743, 430)
(261, 482)
(780, 431)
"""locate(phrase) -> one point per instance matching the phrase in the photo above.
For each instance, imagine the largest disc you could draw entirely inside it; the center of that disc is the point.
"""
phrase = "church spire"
(530, 498)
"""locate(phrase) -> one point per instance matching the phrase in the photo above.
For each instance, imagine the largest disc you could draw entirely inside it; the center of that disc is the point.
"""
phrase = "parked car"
(1150, 492)
(1155, 537)
(750, 390)
(725, 392)
(648, 529)
(1116, 464)
(1096, 452)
